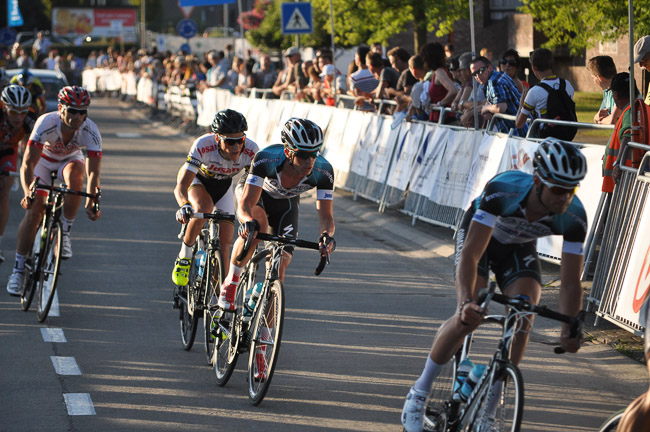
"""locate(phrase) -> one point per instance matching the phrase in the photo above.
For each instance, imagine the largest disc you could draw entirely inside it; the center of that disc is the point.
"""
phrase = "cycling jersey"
(47, 136)
(266, 173)
(206, 161)
(502, 206)
(9, 139)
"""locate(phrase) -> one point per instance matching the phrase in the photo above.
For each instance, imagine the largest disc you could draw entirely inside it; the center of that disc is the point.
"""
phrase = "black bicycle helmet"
(17, 97)
(556, 160)
(229, 121)
(302, 134)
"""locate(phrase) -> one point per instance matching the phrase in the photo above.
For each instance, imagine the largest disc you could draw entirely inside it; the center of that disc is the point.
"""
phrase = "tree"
(363, 21)
(580, 24)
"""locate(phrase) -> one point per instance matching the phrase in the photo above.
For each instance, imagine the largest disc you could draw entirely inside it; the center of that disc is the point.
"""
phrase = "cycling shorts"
(46, 166)
(509, 262)
(282, 213)
(220, 192)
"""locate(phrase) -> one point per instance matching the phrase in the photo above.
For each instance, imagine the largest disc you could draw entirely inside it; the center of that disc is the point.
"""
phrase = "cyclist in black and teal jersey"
(499, 232)
(269, 197)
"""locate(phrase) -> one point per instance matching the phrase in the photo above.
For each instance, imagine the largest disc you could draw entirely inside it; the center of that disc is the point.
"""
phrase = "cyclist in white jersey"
(205, 183)
(55, 146)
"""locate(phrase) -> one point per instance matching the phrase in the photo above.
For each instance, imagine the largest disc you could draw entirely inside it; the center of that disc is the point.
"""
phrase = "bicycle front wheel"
(211, 286)
(188, 316)
(499, 403)
(30, 263)
(441, 409)
(265, 343)
(47, 273)
(611, 424)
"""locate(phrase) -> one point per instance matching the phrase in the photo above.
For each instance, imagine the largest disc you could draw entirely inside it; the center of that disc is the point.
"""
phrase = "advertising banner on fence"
(95, 22)
(636, 284)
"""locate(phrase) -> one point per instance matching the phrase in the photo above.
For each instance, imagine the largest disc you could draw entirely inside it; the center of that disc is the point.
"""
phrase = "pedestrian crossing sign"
(296, 18)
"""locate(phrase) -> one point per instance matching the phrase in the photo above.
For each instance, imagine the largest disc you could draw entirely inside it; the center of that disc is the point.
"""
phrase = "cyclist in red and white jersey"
(14, 126)
(55, 145)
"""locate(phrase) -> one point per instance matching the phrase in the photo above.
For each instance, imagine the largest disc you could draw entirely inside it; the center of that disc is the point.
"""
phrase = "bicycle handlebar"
(217, 216)
(324, 260)
(519, 303)
(37, 185)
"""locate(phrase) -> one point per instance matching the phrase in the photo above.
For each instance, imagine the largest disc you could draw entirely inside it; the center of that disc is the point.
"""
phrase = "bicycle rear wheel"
(30, 270)
(47, 273)
(265, 341)
(611, 424)
(188, 315)
(441, 409)
(211, 285)
(502, 408)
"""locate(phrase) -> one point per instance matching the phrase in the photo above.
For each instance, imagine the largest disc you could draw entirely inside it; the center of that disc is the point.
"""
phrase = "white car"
(52, 81)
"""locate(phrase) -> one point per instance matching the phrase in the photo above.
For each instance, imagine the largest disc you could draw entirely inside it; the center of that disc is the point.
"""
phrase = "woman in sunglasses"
(205, 180)
(269, 197)
(14, 126)
(55, 146)
(509, 64)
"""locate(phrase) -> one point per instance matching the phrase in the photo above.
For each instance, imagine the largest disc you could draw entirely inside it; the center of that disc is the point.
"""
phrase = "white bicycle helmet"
(17, 97)
(556, 160)
(302, 134)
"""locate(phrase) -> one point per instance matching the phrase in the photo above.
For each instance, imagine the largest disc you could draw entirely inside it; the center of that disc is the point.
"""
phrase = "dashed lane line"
(53, 335)
(65, 365)
(79, 404)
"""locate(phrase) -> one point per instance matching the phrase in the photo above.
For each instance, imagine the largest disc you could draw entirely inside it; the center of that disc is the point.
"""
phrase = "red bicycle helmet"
(74, 96)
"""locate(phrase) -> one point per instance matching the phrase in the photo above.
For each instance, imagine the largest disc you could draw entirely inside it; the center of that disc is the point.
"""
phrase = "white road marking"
(54, 309)
(79, 404)
(65, 365)
(53, 335)
(128, 135)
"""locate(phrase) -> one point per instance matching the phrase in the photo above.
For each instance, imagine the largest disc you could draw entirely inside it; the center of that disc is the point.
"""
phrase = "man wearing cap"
(642, 57)
(290, 73)
(327, 89)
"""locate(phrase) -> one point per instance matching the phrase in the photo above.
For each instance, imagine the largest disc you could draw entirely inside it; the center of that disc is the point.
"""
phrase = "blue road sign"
(186, 48)
(7, 36)
(296, 18)
(187, 28)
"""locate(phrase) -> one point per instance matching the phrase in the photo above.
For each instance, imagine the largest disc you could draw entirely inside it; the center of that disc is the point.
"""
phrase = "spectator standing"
(266, 76)
(288, 75)
(642, 57)
(509, 63)
(602, 70)
(399, 60)
(50, 61)
(24, 61)
(415, 109)
(217, 74)
(535, 101)
(449, 50)
(362, 82)
(487, 53)
(468, 96)
(501, 96)
(327, 88)
(442, 89)
(91, 61)
(387, 76)
(41, 46)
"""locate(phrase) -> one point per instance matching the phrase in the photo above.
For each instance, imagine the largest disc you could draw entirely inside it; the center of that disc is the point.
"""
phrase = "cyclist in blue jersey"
(499, 232)
(268, 199)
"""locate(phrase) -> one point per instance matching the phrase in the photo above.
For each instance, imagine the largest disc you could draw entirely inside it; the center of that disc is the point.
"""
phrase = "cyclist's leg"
(73, 173)
(283, 220)
(226, 228)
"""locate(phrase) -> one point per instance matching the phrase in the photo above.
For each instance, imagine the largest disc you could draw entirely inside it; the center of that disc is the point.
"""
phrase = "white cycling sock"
(233, 275)
(430, 372)
(66, 224)
(20, 263)
(186, 251)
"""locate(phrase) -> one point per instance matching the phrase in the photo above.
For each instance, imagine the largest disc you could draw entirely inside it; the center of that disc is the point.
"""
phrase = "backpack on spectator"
(559, 106)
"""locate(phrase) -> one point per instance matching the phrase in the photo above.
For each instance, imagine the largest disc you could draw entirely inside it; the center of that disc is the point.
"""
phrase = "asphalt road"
(355, 338)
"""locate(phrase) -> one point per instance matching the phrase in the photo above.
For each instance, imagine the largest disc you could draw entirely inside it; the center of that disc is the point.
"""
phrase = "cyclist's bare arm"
(476, 242)
(570, 300)
(93, 169)
(30, 159)
(182, 187)
(325, 210)
(249, 199)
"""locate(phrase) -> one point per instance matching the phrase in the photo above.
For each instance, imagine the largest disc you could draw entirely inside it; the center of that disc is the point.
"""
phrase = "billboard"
(95, 22)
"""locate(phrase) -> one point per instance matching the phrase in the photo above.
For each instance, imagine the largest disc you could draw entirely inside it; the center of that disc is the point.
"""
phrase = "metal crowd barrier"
(617, 225)
(535, 126)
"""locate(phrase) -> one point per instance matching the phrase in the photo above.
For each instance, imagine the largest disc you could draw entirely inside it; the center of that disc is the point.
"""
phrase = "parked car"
(52, 81)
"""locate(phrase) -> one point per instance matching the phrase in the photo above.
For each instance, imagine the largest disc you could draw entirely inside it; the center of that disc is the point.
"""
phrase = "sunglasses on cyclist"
(510, 62)
(76, 111)
(305, 154)
(233, 141)
(480, 71)
(557, 189)
(15, 112)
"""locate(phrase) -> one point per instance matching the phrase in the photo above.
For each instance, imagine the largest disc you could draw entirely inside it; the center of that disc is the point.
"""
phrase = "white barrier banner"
(89, 80)
(427, 161)
(207, 107)
(484, 163)
(321, 115)
(455, 156)
(636, 283)
(285, 112)
(383, 152)
(370, 127)
(408, 144)
(339, 146)
(300, 109)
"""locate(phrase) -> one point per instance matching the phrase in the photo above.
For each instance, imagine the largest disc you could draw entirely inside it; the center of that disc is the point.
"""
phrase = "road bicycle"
(259, 331)
(497, 400)
(611, 424)
(42, 265)
(200, 296)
